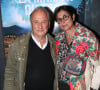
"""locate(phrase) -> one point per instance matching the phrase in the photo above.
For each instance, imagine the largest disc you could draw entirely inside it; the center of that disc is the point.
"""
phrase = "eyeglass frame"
(65, 18)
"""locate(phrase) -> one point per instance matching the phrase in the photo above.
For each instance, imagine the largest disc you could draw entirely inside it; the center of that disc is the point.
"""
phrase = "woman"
(77, 52)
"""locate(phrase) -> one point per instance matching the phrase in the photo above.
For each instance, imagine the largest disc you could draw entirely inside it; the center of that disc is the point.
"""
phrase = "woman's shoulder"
(85, 31)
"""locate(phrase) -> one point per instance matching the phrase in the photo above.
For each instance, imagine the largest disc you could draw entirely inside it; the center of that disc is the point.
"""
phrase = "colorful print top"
(85, 45)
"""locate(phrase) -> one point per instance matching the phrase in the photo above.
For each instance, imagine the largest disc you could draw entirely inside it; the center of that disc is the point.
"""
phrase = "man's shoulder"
(22, 39)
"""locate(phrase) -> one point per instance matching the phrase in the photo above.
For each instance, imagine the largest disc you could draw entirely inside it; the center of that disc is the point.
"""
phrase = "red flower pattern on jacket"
(91, 34)
(96, 52)
(83, 30)
(79, 49)
(76, 33)
(84, 44)
(57, 44)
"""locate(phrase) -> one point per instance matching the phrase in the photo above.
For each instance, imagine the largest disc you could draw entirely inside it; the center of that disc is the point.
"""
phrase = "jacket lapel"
(23, 62)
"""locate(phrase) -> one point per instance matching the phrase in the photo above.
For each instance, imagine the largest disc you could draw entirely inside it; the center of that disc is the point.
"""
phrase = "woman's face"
(64, 20)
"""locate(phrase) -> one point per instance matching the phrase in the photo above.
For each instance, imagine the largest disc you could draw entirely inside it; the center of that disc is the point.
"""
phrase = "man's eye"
(44, 22)
(35, 22)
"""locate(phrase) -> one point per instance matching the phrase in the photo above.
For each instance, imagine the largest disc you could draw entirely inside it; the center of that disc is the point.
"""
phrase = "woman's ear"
(73, 17)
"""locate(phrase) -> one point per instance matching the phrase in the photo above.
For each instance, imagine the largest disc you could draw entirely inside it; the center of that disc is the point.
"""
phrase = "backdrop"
(15, 13)
(92, 16)
(2, 57)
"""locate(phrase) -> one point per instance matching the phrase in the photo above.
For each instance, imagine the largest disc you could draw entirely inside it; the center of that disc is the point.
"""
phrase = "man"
(31, 59)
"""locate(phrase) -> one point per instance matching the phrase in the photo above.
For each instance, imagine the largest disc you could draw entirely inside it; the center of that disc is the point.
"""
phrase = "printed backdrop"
(15, 13)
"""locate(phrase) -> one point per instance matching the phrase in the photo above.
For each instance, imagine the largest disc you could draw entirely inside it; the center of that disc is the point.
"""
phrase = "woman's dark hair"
(51, 15)
(71, 10)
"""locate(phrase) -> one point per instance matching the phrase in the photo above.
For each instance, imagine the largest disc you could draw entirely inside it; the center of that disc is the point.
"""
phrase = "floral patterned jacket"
(86, 45)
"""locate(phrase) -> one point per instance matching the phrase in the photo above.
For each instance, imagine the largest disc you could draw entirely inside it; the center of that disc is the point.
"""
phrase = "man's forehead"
(39, 14)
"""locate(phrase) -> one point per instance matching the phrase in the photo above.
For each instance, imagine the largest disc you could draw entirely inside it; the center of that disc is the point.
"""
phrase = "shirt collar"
(38, 43)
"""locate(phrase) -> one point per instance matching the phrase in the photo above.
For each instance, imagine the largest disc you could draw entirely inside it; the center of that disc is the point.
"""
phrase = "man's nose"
(40, 25)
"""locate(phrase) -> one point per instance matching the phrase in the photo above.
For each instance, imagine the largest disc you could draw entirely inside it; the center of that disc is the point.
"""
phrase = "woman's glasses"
(65, 18)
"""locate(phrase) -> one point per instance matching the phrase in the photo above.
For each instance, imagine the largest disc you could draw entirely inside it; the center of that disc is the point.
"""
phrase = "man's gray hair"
(40, 8)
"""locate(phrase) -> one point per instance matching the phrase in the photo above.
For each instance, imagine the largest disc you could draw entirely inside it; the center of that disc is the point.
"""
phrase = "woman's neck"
(70, 33)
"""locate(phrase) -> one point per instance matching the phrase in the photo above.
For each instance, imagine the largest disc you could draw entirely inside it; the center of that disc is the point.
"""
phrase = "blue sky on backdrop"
(16, 12)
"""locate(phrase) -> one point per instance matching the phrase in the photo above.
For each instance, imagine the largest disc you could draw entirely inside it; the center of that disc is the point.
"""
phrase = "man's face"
(40, 23)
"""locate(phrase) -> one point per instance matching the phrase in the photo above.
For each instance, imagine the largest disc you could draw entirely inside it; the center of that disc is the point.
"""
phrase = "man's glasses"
(65, 18)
